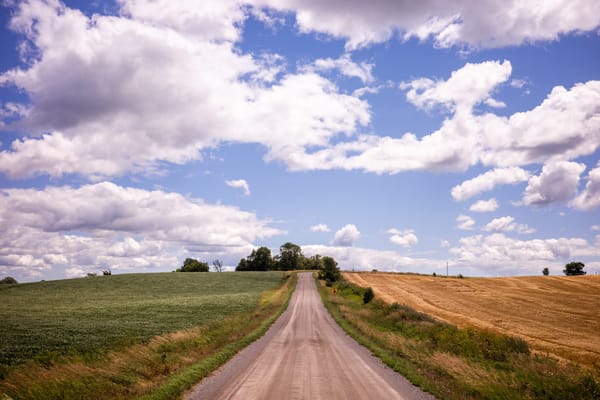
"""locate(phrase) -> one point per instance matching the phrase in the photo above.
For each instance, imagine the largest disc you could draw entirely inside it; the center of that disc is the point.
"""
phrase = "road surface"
(305, 355)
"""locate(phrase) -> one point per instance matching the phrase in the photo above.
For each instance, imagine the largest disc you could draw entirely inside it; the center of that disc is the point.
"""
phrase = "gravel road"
(305, 355)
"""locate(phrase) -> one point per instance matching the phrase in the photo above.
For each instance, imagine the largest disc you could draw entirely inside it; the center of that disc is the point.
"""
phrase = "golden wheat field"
(557, 315)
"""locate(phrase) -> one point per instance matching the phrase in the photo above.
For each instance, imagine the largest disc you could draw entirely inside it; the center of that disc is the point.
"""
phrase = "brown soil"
(556, 315)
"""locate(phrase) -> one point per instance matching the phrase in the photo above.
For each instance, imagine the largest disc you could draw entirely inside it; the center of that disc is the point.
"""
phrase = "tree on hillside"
(193, 265)
(9, 280)
(290, 257)
(315, 262)
(218, 265)
(574, 268)
(330, 271)
(259, 260)
(546, 271)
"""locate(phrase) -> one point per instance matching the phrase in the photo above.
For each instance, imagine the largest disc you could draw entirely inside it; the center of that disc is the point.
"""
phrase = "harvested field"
(556, 315)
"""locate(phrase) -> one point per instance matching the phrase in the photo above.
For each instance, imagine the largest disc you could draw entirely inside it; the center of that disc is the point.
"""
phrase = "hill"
(555, 314)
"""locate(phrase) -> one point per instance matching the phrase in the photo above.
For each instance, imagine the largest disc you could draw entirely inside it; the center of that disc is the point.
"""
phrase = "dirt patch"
(556, 315)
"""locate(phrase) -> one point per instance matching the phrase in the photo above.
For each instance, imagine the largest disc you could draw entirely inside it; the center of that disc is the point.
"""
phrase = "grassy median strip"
(172, 329)
(453, 363)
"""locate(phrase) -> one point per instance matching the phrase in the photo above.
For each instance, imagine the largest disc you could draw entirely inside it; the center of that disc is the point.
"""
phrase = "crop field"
(555, 315)
(90, 315)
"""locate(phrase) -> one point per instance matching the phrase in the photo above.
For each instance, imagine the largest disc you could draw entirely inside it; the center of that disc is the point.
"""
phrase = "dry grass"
(556, 315)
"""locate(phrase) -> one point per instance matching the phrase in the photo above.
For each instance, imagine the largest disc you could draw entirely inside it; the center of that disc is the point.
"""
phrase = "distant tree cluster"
(9, 280)
(193, 265)
(290, 258)
(574, 268)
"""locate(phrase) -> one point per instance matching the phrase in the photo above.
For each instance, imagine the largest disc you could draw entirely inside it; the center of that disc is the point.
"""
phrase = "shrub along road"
(305, 355)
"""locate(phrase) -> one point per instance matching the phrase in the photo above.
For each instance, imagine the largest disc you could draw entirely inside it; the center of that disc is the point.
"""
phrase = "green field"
(88, 316)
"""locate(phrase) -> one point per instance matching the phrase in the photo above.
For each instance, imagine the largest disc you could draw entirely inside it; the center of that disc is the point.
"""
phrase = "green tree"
(243, 265)
(259, 260)
(574, 268)
(546, 271)
(9, 280)
(330, 271)
(314, 263)
(193, 265)
(290, 257)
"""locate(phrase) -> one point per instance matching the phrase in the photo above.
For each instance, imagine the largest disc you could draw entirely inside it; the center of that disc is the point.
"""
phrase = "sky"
(397, 136)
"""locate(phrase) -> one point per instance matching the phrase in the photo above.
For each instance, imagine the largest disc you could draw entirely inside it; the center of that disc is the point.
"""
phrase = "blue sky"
(137, 133)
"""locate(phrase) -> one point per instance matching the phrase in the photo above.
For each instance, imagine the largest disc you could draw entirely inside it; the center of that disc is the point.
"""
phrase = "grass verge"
(453, 363)
(159, 368)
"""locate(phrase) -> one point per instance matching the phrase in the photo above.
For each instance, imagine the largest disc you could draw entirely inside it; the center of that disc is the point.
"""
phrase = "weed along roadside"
(165, 365)
(449, 362)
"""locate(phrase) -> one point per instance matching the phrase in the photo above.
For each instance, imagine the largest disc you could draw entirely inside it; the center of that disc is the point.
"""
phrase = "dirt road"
(305, 355)
(555, 314)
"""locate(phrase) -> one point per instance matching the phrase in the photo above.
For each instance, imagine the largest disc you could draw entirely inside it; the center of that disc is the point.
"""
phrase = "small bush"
(460, 276)
(434, 274)
(328, 283)
(368, 295)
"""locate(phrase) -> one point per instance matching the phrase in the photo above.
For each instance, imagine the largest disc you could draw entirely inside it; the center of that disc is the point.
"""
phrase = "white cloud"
(494, 103)
(518, 83)
(346, 236)
(466, 87)
(484, 206)
(319, 228)
(108, 225)
(405, 238)
(445, 243)
(189, 89)
(465, 222)
(562, 127)
(346, 67)
(557, 183)
(480, 24)
(240, 184)
(350, 258)
(74, 272)
(589, 199)
(507, 224)
(595, 227)
(498, 254)
(487, 181)
(210, 20)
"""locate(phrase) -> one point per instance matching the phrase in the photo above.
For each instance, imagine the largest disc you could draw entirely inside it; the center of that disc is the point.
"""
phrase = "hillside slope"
(558, 315)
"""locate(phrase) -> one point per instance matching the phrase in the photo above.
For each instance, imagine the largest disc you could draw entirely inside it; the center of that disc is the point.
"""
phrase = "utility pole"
(446, 268)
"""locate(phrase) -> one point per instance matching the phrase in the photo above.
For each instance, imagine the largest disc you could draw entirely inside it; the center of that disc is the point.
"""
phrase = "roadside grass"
(193, 324)
(453, 363)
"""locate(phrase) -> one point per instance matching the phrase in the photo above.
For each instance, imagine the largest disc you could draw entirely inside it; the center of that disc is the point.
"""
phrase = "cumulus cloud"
(405, 238)
(562, 127)
(484, 206)
(497, 254)
(481, 24)
(346, 236)
(465, 222)
(507, 224)
(350, 258)
(589, 199)
(346, 67)
(240, 184)
(445, 244)
(557, 183)
(106, 224)
(464, 89)
(106, 117)
(319, 228)
(487, 181)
